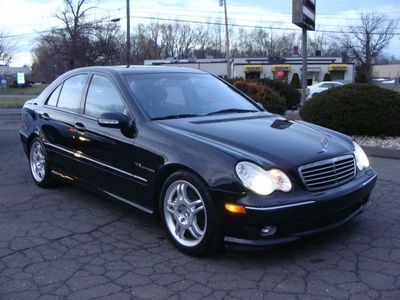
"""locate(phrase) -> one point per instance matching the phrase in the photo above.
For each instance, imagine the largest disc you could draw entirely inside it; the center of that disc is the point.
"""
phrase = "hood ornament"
(324, 144)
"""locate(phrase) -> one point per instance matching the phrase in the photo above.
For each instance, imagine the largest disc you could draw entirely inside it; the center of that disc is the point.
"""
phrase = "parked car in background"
(190, 148)
(322, 86)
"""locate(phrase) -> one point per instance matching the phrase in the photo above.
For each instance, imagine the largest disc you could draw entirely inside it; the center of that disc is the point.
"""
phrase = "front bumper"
(301, 216)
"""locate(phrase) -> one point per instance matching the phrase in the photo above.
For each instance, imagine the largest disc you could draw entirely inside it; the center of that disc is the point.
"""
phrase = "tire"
(188, 215)
(39, 164)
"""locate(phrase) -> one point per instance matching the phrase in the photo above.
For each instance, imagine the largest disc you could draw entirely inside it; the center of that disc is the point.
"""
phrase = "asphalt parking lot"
(70, 243)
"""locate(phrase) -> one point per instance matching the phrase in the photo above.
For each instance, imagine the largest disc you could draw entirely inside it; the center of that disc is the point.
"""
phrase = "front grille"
(328, 173)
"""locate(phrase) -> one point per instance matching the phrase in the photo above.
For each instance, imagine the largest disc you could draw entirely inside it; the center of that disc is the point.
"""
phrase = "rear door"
(58, 115)
(107, 154)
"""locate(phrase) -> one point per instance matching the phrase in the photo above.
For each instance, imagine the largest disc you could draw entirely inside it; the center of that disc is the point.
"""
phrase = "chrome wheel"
(38, 162)
(185, 213)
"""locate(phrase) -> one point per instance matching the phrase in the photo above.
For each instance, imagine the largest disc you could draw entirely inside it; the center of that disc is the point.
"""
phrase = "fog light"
(268, 230)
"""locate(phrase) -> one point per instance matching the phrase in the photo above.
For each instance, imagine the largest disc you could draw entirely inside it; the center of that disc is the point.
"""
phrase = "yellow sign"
(337, 67)
(252, 68)
(283, 68)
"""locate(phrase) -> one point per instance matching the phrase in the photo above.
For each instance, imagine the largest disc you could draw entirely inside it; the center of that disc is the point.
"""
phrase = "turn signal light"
(235, 208)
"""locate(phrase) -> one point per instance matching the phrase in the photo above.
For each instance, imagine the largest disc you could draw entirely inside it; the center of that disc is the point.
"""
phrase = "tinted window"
(52, 100)
(71, 93)
(102, 97)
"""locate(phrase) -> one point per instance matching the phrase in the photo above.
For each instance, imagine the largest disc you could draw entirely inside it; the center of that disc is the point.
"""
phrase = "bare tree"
(104, 45)
(76, 29)
(79, 43)
(367, 39)
(146, 42)
(7, 49)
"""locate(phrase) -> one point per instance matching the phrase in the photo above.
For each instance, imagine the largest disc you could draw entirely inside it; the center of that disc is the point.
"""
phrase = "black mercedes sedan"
(190, 148)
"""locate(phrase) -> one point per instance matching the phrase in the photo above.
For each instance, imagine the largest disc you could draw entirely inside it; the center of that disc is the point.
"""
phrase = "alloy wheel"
(185, 213)
(38, 162)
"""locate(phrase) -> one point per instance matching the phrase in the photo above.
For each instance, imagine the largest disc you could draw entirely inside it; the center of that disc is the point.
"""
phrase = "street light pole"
(128, 34)
(228, 57)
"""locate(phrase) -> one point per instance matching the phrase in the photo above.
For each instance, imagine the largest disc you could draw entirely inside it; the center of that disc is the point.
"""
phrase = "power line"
(242, 19)
(245, 26)
(194, 22)
(320, 16)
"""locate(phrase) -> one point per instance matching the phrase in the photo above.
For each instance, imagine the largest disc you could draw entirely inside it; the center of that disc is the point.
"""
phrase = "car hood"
(267, 139)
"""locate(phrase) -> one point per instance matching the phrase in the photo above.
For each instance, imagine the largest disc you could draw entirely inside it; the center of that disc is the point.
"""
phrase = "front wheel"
(39, 164)
(188, 215)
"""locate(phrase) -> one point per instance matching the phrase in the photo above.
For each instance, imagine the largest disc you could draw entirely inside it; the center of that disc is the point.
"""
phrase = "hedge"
(359, 109)
(289, 92)
(270, 99)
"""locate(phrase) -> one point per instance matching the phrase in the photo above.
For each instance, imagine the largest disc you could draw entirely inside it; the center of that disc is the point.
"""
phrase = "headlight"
(261, 181)
(361, 158)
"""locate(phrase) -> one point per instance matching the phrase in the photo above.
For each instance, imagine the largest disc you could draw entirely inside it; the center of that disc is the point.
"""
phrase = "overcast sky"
(25, 18)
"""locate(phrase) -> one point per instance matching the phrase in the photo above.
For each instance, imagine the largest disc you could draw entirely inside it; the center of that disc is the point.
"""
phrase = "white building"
(386, 71)
(273, 67)
(7, 70)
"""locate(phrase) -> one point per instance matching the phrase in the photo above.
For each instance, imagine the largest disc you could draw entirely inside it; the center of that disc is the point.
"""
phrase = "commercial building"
(273, 67)
(391, 71)
(8, 74)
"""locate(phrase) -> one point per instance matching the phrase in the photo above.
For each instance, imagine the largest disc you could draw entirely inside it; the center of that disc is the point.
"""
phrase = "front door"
(106, 154)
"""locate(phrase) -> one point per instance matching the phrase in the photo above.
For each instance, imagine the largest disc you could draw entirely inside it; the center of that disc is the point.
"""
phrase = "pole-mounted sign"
(303, 13)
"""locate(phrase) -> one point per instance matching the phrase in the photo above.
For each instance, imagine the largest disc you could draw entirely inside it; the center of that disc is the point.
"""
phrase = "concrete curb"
(382, 152)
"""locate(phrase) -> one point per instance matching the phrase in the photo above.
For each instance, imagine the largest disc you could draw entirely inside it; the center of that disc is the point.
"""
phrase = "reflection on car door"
(107, 155)
(58, 116)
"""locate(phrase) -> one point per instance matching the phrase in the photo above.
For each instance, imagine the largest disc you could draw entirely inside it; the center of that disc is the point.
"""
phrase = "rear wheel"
(188, 215)
(39, 164)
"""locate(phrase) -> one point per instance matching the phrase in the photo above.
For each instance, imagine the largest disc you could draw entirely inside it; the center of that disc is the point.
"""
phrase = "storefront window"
(253, 75)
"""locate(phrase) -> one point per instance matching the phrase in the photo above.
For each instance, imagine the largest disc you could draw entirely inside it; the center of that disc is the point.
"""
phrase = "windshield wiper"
(231, 110)
(175, 117)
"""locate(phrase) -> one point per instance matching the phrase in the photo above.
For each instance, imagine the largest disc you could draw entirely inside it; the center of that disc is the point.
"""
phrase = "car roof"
(136, 69)
(329, 82)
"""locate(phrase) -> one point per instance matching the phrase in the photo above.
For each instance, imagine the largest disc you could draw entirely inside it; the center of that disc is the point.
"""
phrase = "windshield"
(179, 95)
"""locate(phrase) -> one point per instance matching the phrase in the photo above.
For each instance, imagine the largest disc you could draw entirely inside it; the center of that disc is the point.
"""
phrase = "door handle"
(45, 116)
(79, 126)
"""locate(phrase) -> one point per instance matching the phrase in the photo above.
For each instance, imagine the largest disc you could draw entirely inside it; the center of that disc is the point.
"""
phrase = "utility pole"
(228, 57)
(304, 67)
(128, 33)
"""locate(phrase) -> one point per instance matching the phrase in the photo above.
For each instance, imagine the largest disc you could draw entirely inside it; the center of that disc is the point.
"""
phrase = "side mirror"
(113, 120)
(118, 120)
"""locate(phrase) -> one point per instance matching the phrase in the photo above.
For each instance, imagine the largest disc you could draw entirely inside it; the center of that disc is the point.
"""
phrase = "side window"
(325, 85)
(52, 100)
(102, 97)
(71, 93)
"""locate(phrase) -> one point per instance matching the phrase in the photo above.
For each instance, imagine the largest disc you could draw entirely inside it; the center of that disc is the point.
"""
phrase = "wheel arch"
(29, 140)
(162, 176)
